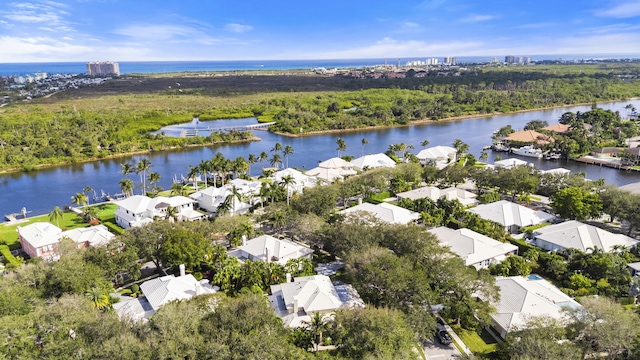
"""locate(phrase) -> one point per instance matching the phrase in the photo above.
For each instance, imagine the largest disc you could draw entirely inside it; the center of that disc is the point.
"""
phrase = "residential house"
(300, 180)
(523, 298)
(138, 210)
(634, 268)
(385, 212)
(474, 248)
(512, 216)
(528, 137)
(606, 152)
(40, 239)
(270, 249)
(373, 161)
(509, 163)
(89, 236)
(556, 171)
(558, 128)
(333, 169)
(210, 198)
(438, 156)
(576, 235)
(296, 301)
(631, 156)
(466, 198)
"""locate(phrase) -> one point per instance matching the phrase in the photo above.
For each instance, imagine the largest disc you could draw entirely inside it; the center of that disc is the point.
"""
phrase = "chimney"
(295, 305)
(266, 253)
(244, 240)
(288, 277)
(182, 270)
(359, 201)
(198, 288)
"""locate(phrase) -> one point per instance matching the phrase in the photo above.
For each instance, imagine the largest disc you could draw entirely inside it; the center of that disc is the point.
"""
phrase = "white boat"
(528, 150)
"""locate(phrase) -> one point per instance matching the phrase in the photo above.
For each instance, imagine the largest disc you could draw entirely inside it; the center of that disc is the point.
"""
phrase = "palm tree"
(288, 150)
(286, 181)
(90, 213)
(240, 165)
(461, 148)
(204, 167)
(80, 199)
(278, 221)
(154, 178)
(317, 325)
(342, 146)
(87, 190)
(226, 205)
(56, 215)
(99, 297)
(126, 169)
(276, 160)
(179, 189)
(141, 168)
(172, 213)
(193, 174)
(277, 148)
(251, 159)
(424, 143)
(127, 187)
(484, 156)
(364, 142)
(263, 157)
(236, 194)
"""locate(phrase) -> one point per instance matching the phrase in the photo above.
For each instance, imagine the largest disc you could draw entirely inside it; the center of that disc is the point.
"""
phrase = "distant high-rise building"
(509, 59)
(432, 61)
(450, 60)
(98, 68)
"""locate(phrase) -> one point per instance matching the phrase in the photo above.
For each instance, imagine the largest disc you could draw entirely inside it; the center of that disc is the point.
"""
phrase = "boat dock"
(604, 162)
(18, 216)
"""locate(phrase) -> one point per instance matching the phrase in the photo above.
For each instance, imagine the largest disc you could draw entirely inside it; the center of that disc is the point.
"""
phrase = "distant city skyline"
(145, 30)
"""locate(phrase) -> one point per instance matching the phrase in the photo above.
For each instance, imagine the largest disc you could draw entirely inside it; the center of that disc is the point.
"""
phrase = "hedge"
(113, 228)
(8, 256)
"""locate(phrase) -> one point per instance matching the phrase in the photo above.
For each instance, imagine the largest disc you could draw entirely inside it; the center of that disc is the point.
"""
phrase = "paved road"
(436, 351)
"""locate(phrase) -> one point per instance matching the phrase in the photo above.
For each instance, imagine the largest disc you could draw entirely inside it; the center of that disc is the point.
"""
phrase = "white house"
(466, 198)
(512, 216)
(138, 210)
(40, 239)
(373, 161)
(295, 302)
(301, 180)
(210, 198)
(522, 298)
(438, 156)
(509, 163)
(475, 249)
(576, 235)
(270, 249)
(385, 212)
(336, 163)
(329, 175)
(90, 236)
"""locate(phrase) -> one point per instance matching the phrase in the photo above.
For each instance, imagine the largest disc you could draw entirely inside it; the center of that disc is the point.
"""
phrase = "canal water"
(40, 191)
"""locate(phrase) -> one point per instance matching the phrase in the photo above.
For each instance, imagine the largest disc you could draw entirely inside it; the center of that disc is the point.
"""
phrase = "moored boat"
(527, 150)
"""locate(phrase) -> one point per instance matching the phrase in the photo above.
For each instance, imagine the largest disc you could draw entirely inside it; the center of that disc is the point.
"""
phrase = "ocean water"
(154, 67)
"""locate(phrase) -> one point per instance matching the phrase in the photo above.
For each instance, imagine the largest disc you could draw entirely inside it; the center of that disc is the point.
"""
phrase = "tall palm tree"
(317, 325)
(251, 159)
(364, 142)
(179, 189)
(484, 156)
(226, 205)
(278, 221)
(154, 178)
(80, 199)
(286, 181)
(193, 174)
(56, 215)
(141, 168)
(127, 186)
(172, 213)
(204, 167)
(263, 157)
(126, 169)
(90, 213)
(342, 146)
(288, 150)
(277, 148)
(236, 195)
(87, 190)
(276, 160)
(240, 165)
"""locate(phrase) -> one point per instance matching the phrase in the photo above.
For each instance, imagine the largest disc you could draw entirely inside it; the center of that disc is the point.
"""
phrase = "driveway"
(436, 351)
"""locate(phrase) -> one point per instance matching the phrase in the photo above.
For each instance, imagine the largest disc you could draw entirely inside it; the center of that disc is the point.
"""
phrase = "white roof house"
(475, 249)
(512, 216)
(301, 180)
(89, 236)
(373, 161)
(40, 240)
(466, 198)
(386, 212)
(336, 163)
(576, 235)
(329, 175)
(162, 290)
(210, 198)
(138, 210)
(270, 249)
(296, 301)
(522, 298)
(509, 163)
(439, 156)
(556, 171)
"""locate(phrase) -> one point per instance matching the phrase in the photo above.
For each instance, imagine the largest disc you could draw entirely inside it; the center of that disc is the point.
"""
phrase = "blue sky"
(144, 30)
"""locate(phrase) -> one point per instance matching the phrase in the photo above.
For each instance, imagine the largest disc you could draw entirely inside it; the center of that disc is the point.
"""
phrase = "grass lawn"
(482, 344)
(70, 220)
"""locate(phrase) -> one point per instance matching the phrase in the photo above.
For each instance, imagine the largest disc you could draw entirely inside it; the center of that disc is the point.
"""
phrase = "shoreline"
(311, 133)
(448, 119)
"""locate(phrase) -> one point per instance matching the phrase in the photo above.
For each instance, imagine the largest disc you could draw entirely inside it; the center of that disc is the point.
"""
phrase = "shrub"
(11, 261)
(197, 275)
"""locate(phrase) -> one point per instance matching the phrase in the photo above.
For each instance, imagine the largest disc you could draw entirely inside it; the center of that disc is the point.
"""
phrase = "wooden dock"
(601, 162)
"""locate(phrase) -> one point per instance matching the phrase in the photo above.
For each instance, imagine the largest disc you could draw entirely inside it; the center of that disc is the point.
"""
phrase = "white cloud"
(625, 10)
(535, 25)
(238, 28)
(164, 33)
(478, 18)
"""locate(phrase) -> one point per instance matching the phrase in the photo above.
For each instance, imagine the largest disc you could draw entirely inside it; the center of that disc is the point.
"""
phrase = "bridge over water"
(194, 132)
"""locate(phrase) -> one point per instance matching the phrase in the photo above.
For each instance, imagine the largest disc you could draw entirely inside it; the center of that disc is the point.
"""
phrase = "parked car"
(444, 337)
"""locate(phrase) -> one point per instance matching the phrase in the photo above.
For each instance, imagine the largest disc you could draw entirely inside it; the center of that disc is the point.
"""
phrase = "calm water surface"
(41, 191)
